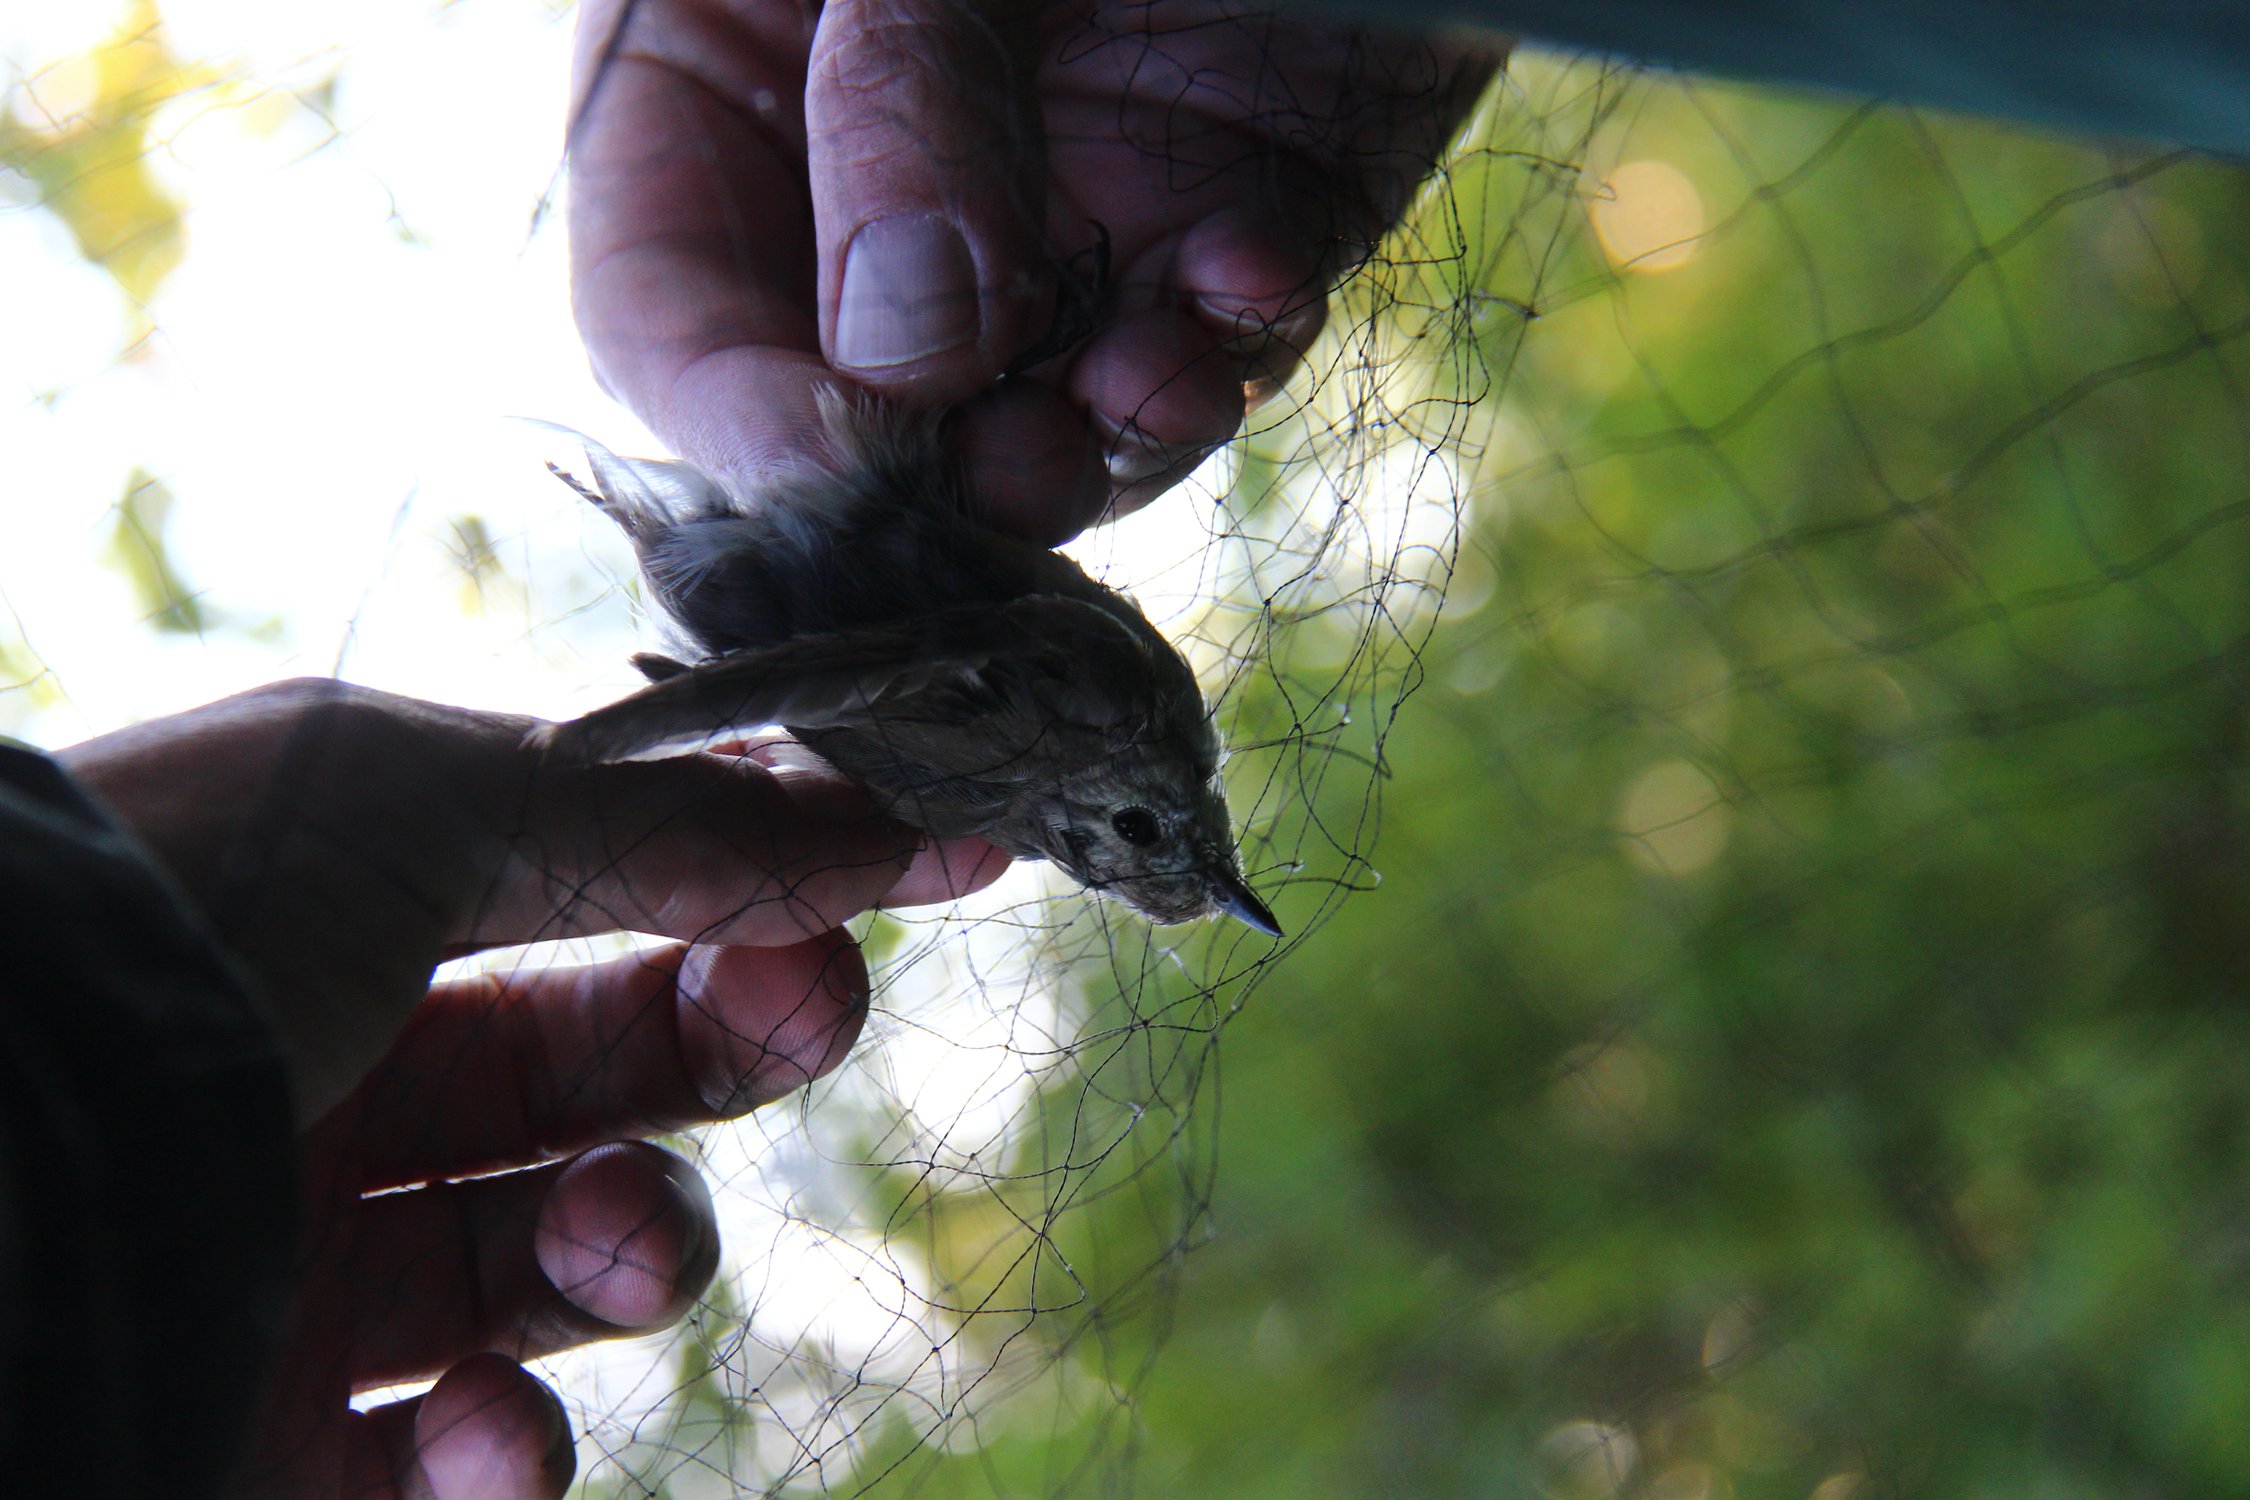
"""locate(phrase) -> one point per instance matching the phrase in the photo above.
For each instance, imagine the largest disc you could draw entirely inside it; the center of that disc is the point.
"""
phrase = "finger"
(1031, 461)
(299, 1433)
(619, 1241)
(1258, 289)
(488, 1430)
(703, 847)
(1150, 397)
(942, 869)
(1206, 321)
(1203, 324)
(512, 1070)
(1207, 324)
(1162, 394)
(945, 870)
(928, 191)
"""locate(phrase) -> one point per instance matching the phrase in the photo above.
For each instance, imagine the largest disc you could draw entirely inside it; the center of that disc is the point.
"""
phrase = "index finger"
(699, 847)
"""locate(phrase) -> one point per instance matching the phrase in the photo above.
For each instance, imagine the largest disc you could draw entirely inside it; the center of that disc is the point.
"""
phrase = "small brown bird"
(976, 684)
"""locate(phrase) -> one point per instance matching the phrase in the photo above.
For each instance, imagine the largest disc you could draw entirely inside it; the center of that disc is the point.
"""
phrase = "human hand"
(341, 842)
(768, 198)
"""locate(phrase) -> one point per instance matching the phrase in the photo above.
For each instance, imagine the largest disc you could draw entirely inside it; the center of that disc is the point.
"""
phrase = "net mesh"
(1783, 1041)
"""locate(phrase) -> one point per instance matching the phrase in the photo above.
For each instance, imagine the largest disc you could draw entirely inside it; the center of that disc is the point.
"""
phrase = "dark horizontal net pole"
(2169, 70)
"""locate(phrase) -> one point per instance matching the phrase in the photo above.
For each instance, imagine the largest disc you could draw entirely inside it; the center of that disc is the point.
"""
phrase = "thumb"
(928, 187)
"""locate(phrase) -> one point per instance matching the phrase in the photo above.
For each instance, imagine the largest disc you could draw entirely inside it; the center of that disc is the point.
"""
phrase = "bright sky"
(326, 391)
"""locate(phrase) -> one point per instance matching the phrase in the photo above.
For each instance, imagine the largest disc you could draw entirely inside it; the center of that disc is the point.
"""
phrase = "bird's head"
(1149, 827)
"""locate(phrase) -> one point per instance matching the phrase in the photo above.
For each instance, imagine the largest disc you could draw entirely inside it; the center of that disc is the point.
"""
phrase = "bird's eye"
(1135, 825)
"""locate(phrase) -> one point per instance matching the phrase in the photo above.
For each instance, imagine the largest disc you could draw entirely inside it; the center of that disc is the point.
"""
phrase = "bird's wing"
(812, 681)
(853, 678)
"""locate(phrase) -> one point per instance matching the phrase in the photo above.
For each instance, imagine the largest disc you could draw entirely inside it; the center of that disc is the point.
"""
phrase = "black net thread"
(1784, 1041)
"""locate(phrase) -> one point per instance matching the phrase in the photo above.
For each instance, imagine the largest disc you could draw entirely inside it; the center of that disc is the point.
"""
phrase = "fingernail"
(1269, 351)
(1251, 332)
(1133, 457)
(910, 291)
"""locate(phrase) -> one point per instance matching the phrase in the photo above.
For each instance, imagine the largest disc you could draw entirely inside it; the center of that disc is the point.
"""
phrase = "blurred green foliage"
(23, 682)
(1797, 1047)
(138, 551)
(83, 133)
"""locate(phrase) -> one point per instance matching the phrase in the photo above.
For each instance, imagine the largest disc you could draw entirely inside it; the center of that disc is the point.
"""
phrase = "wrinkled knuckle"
(309, 694)
(347, 718)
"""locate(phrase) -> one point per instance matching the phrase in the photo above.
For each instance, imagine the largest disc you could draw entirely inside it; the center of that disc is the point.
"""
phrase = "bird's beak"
(1238, 902)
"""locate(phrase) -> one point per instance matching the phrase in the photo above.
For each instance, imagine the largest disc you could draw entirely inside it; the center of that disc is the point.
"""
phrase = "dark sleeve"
(147, 1164)
(2158, 70)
